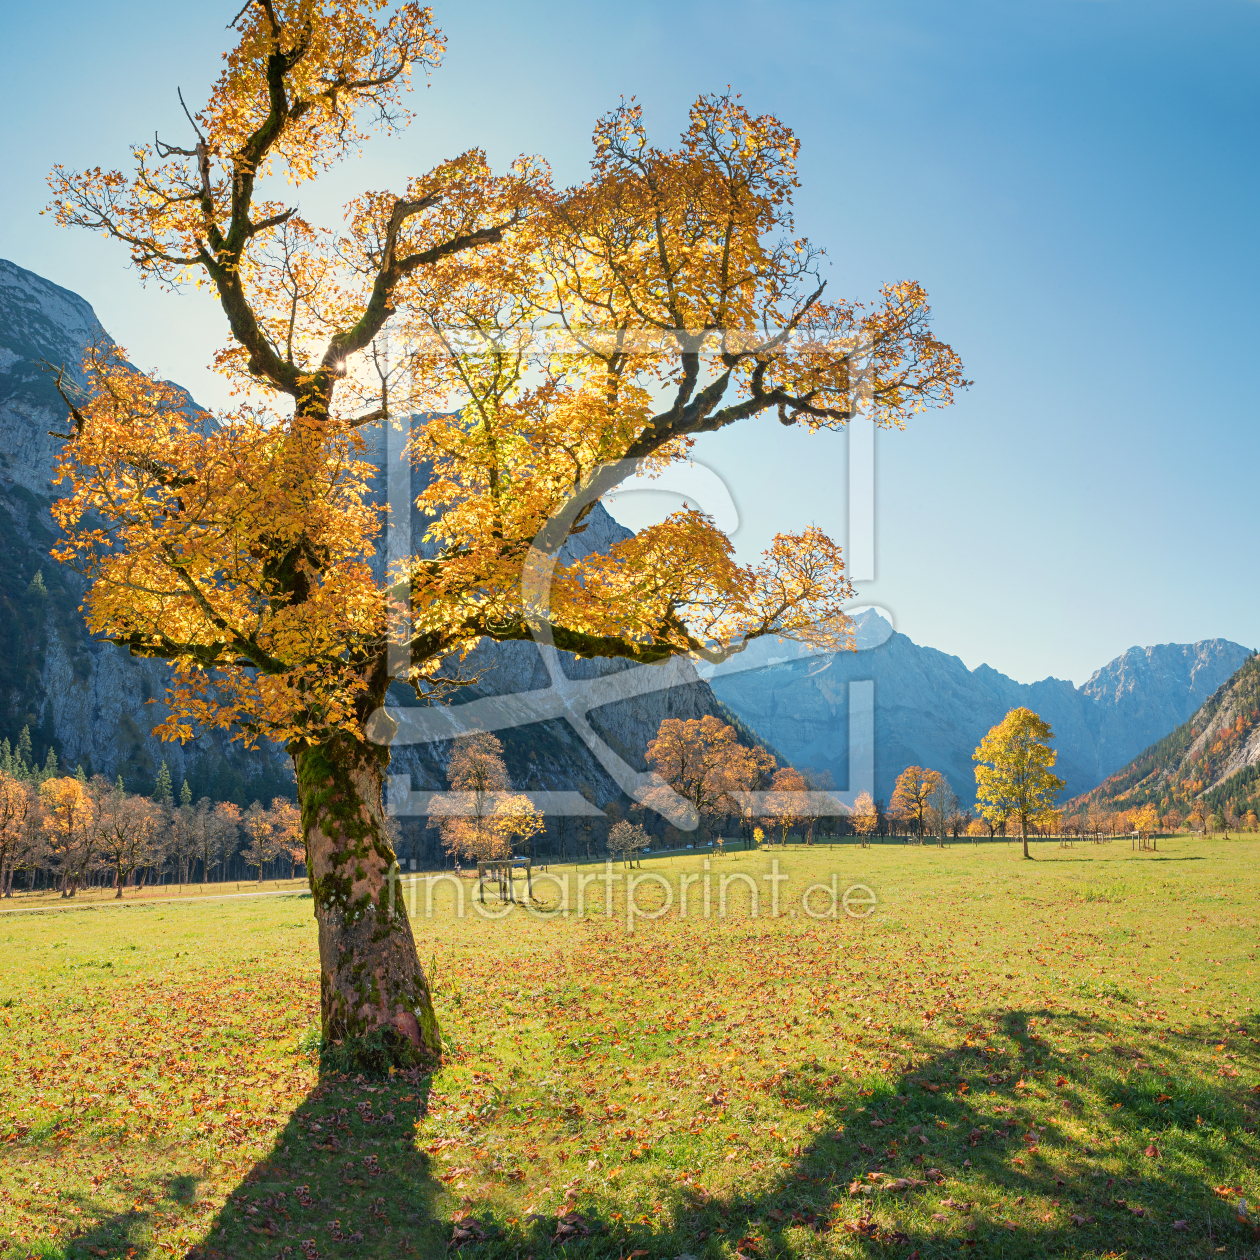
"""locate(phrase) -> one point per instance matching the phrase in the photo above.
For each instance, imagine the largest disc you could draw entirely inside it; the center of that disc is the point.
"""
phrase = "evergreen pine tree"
(185, 794)
(118, 786)
(50, 766)
(162, 789)
(6, 757)
(37, 586)
(23, 755)
(80, 774)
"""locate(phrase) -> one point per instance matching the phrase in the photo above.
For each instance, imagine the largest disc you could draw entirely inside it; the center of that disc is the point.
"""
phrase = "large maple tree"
(676, 301)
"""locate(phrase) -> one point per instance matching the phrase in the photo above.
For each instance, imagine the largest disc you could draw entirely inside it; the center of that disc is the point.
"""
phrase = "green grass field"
(1004, 1058)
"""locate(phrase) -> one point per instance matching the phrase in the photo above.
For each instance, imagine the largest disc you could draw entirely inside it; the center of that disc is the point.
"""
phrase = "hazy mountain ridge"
(931, 710)
(1214, 756)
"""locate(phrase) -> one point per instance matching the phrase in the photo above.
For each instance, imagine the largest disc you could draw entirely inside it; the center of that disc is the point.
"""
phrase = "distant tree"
(1014, 776)
(50, 770)
(703, 761)
(1097, 821)
(162, 790)
(497, 820)
(864, 819)
(182, 834)
(261, 847)
(910, 795)
(68, 826)
(564, 829)
(222, 834)
(24, 755)
(627, 840)
(786, 800)
(1198, 816)
(18, 803)
(820, 785)
(1172, 820)
(1251, 822)
(286, 826)
(1145, 822)
(128, 827)
(942, 805)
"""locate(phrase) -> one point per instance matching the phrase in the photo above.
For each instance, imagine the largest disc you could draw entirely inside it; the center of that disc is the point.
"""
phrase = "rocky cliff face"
(90, 701)
(930, 710)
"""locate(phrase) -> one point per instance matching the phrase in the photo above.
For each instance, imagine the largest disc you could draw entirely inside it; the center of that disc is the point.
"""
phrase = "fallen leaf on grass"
(868, 1228)
(1181, 1225)
(470, 1229)
(571, 1225)
(1152, 1152)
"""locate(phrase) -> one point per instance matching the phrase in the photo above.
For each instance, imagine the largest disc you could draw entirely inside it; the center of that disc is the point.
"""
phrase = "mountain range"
(931, 710)
(1215, 757)
(96, 705)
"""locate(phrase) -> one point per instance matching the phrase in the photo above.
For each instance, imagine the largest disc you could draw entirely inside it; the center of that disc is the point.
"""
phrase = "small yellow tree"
(1013, 771)
(486, 821)
(1145, 822)
(864, 817)
(68, 827)
(912, 793)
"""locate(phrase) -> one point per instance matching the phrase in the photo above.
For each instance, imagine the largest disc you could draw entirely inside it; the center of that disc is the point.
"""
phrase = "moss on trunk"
(371, 980)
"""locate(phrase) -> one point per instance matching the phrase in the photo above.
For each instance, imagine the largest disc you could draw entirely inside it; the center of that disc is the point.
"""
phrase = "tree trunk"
(370, 974)
(1024, 832)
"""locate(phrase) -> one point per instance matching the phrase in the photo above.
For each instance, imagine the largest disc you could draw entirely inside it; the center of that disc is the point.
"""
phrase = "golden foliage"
(677, 300)
(1014, 779)
(912, 793)
(703, 761)
(498, 820)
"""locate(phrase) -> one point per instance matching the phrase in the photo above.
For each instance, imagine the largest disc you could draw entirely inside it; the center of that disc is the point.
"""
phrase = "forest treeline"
(75, 831)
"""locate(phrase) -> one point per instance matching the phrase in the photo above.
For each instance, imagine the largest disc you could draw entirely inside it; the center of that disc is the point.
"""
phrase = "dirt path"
(192, 899)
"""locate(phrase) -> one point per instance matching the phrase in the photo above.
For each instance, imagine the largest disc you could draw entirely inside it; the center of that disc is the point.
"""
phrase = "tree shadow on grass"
(1016, 1150)
(121, 1234)
(344, 1178)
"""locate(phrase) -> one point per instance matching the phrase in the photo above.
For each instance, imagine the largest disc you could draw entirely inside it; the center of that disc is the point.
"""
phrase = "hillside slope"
(1214, 756)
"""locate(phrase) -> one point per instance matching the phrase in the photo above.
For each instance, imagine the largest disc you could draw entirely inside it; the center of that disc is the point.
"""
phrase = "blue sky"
(1074, 181)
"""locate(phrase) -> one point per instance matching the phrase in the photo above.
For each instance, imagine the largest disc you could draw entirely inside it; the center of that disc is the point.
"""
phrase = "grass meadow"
(1002, 1058)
